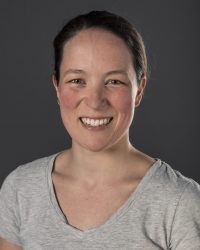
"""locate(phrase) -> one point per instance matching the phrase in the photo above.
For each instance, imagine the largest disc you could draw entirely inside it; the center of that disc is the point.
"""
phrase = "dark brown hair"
(110, 22)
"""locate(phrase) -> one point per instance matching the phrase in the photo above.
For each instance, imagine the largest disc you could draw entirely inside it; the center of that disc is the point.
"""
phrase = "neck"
(100, 167)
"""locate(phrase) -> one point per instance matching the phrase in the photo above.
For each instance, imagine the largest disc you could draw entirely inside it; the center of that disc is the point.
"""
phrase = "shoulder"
(168, 188)
(28, 173)
(186, 189)
(22, 189)
(174, 181)
(172, 206)
(181, 198)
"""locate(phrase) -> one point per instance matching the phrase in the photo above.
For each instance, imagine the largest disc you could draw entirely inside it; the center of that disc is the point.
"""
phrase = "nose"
(96, 98)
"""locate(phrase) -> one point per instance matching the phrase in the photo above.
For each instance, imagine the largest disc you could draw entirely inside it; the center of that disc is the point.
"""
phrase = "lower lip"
(98, 128)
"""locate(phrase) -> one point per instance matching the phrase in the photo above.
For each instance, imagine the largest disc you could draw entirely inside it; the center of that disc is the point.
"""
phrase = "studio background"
(166, 125)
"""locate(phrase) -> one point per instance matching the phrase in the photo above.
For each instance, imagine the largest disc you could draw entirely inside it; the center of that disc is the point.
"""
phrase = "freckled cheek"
(68, 99)
(123, 102)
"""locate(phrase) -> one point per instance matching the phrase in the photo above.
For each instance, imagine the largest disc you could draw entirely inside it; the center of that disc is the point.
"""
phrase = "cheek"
(123, 101)
(68, 99)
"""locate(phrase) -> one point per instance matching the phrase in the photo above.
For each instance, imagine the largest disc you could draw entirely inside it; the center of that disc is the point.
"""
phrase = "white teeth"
(101, 122)
(95, 122)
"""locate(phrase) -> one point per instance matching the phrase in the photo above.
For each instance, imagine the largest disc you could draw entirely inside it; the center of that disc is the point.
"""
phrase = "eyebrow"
(118, 71)
(74, 71)
(80, 71)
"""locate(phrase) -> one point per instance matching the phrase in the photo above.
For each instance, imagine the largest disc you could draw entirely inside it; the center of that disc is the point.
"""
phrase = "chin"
(95, 147)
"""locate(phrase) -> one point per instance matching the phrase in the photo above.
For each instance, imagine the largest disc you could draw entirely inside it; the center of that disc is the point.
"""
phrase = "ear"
(140, 91)
(55, 84)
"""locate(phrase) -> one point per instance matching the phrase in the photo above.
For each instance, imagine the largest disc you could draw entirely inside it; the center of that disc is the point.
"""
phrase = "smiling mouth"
(95, 122)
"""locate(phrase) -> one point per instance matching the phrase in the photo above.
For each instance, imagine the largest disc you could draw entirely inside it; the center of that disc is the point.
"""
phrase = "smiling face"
(97, 90)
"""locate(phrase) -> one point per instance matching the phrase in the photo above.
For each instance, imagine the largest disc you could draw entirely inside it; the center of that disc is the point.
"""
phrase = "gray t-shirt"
(162, 213)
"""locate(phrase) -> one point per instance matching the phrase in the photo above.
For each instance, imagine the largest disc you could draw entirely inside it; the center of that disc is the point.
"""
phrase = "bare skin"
(5, 245)
(87, 203)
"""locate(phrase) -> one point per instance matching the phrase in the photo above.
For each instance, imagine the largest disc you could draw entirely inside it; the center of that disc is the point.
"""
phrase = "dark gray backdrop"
(166, 124)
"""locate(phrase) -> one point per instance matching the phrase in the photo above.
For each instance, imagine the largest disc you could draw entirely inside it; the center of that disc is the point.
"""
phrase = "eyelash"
(76, 81)
(117, 82)
(81, 82)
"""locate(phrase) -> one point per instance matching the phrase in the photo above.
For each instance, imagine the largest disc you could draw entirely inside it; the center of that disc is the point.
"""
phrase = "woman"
(102, 193)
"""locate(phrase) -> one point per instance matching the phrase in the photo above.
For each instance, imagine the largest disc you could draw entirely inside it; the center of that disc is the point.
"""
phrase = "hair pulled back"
(110, 22)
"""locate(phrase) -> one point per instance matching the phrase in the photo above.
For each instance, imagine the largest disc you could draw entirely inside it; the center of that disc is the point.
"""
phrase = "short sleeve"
(185, 232)
(9, 214)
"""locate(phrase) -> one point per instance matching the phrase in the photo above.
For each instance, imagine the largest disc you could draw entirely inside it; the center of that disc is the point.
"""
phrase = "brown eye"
(114, 82)
(76, 81)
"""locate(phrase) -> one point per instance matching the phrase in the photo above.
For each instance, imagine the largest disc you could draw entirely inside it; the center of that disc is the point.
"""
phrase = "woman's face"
(97, 90)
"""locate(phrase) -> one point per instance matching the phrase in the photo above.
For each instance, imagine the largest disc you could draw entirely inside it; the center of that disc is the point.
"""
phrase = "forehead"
(96, 46)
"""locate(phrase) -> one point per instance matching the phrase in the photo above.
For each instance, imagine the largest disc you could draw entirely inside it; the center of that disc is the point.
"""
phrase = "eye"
(77, 81)
(114, 82)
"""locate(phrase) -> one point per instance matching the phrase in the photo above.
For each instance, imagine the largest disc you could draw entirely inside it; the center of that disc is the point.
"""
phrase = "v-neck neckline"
(117, 214)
